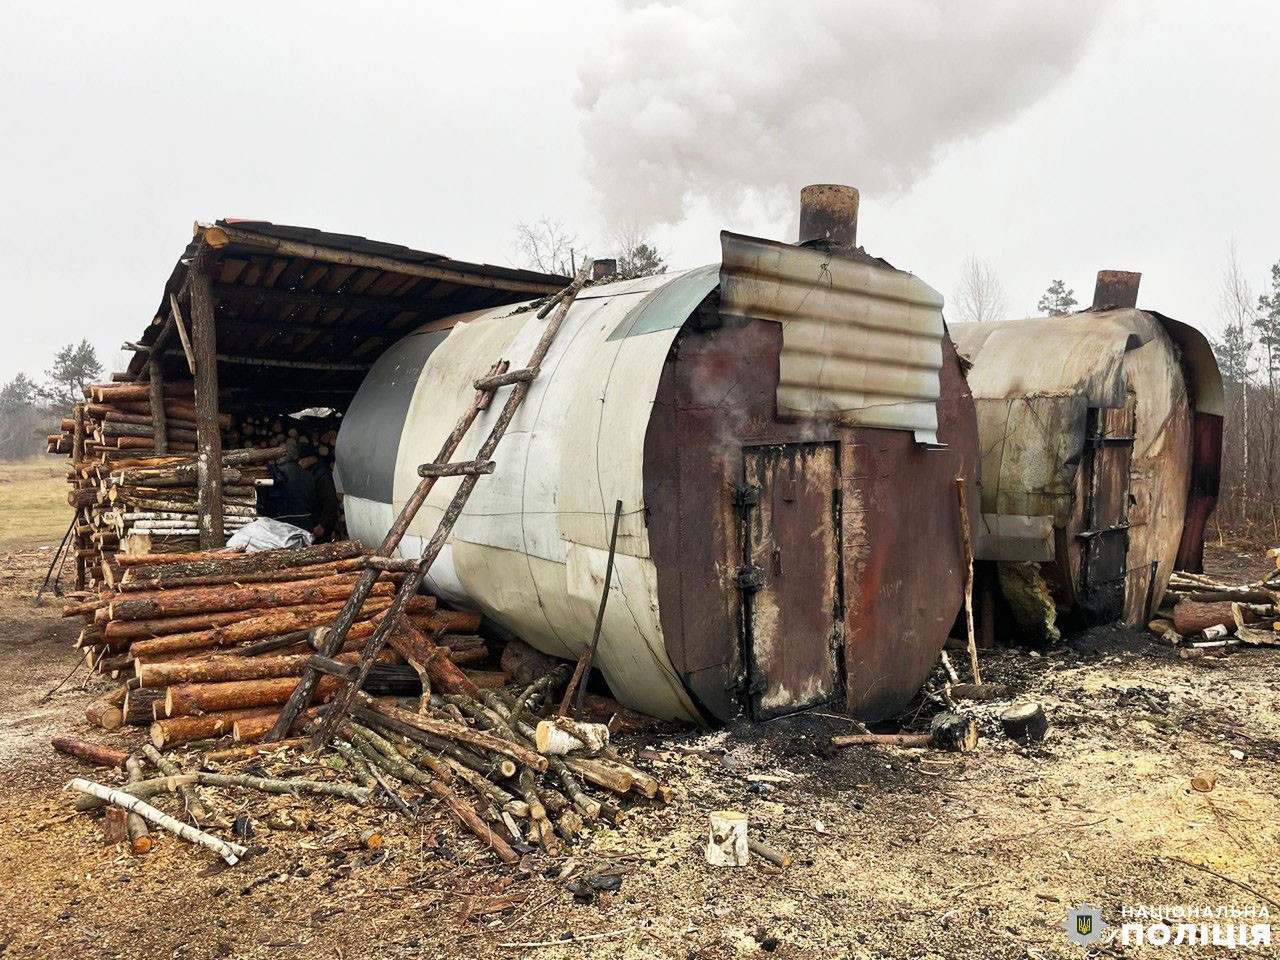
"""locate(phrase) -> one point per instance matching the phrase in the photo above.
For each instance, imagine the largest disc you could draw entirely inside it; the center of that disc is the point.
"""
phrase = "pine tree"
(1057, 300)
(75, 366)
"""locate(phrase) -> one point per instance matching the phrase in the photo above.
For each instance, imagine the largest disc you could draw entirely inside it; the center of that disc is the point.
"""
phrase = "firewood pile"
(1207, 617)
(319, 434)
(133, 494)
(199, 642)
(209, 646)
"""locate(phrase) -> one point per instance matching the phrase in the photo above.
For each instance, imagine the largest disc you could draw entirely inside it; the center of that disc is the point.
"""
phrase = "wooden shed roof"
(301, 314)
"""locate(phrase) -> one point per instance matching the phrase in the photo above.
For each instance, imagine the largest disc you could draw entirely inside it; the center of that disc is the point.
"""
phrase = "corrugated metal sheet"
(861, 342)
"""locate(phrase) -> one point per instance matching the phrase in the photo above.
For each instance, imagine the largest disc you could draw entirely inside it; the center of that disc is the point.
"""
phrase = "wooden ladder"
(416, 570)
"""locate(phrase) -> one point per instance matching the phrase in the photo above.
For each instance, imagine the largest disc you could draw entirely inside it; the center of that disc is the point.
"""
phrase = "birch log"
(230, 852)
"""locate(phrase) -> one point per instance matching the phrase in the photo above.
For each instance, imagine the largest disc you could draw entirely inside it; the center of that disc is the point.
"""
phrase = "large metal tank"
(784, 430)
(1101, 438)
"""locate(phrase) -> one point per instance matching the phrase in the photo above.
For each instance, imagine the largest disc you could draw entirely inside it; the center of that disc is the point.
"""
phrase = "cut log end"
(727, 844)
(1025, 722)
(953, 731)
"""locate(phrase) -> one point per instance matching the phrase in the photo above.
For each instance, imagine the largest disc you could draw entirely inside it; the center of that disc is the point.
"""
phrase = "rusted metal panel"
(861, 342)
(898, 507)
(1206, 473)
(791, 576)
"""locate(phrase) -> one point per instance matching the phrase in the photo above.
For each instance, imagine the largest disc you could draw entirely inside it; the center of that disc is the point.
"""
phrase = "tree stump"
(1025, 723)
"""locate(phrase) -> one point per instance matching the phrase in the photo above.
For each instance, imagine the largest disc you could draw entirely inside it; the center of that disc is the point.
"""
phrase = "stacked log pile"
(201, 641)
(259, 431)
(119, 422)
(148, 505)
(1206, 617)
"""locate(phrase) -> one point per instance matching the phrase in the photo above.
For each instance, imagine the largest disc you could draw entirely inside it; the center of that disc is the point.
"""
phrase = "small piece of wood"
(1204, 782)
(561, 736)
(727, 844)
(136, 826)
(1025, 723)
(1190, 617)
(106, 712)
(94, 753)
(766, 852)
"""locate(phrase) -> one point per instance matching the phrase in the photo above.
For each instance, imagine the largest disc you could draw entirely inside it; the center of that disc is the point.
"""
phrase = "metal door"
(1105, 546)
(792, 598)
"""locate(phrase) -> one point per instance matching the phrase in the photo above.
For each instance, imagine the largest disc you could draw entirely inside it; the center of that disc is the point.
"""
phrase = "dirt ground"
(899, 853)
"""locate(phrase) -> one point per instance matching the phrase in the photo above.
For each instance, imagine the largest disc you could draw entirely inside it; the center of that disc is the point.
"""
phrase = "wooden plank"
(176, 314)
(220, 236)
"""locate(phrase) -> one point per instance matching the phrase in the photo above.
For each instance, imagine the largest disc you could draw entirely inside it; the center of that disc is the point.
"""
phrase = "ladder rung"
(466, 468)
(496, 380)
(391, 564)
(330, 666)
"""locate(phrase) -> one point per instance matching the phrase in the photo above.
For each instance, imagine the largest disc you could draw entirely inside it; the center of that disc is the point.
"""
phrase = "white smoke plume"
(733, 102)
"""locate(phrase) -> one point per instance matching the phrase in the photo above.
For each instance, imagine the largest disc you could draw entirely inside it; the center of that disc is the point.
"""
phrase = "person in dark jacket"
(325, 514)
(292, 494)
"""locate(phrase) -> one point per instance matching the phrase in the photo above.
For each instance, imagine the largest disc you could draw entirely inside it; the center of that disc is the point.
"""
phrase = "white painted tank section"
(531, 546)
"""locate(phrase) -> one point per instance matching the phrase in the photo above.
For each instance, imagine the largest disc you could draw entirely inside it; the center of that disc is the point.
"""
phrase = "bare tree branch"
(547, 245)
(979, 295)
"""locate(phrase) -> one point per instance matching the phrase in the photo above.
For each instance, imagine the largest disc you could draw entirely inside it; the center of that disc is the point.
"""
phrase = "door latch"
(750, 578)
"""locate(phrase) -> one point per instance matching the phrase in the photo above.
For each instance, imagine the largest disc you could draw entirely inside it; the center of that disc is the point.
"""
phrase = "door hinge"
(745, 498)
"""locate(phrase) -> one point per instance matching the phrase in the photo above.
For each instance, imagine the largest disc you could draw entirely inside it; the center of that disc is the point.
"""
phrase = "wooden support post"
(578, 682)
(77, 445)
(204, 345)
(77, 458)
(987, 614)
(159, 421)
(968, 577)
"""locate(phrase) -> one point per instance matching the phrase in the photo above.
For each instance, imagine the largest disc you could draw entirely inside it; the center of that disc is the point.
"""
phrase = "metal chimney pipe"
(603, 268)
(1116, 290)
(829, 216)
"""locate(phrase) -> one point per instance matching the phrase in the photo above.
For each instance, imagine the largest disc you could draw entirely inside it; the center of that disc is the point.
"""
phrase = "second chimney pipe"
(829, 216)
(1116, 290)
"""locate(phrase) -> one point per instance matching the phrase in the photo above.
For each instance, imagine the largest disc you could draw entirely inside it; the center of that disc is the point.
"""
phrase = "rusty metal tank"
(1101, 436)
(784, 430)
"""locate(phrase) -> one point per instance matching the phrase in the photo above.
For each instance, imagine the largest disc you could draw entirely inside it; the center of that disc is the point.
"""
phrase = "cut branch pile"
(1204, 616)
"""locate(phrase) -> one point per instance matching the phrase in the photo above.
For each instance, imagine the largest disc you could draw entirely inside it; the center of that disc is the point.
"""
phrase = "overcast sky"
(1050, 139)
